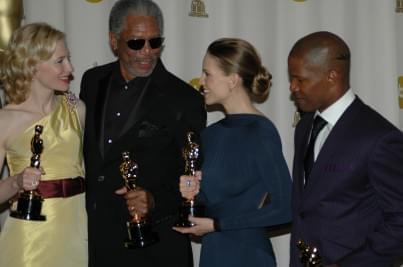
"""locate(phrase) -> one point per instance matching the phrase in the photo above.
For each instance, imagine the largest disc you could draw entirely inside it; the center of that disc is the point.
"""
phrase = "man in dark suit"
(348, 182)
(136, 105)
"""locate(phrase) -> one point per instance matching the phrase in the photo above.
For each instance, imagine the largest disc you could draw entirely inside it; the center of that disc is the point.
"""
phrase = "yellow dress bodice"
(62, 155)
(61, 240)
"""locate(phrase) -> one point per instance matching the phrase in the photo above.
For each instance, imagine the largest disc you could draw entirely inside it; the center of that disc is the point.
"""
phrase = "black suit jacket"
(154, 134)
(352, 207)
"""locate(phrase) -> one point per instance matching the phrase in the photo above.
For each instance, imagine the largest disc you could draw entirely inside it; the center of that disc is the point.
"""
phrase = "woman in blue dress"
(244, 183)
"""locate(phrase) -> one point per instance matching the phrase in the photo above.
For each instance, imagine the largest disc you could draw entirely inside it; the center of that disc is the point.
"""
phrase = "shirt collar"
(333, 113)
(117, 77)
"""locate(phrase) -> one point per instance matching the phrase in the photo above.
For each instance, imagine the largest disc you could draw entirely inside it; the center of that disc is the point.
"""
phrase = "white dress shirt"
(332, 114)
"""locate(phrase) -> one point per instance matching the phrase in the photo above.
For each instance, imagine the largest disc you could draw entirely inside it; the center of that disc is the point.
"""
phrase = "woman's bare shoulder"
(13, 120)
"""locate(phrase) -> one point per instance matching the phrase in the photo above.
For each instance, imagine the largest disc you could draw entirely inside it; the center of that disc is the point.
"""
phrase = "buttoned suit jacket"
(352, 206)
(154, 134)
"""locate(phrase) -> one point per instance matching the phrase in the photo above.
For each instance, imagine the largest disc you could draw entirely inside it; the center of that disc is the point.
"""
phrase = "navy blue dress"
(243, 162)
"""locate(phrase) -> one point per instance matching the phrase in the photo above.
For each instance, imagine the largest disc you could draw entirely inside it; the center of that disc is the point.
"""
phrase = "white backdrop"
(372, 29)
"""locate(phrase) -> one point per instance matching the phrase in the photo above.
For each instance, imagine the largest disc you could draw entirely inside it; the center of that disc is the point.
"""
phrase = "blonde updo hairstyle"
(28, 46)
(235, 55)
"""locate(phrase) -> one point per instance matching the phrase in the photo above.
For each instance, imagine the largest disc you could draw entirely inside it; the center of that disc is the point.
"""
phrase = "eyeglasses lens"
(137, 44)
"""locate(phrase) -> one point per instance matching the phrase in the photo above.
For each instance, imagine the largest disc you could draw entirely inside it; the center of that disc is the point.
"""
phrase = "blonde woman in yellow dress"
(35, 70)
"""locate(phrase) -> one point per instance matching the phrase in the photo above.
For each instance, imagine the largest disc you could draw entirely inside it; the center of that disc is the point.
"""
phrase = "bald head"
(326, 51)
(319, 70)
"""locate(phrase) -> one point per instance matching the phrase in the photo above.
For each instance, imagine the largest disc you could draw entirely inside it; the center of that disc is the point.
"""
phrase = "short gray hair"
(122, 8)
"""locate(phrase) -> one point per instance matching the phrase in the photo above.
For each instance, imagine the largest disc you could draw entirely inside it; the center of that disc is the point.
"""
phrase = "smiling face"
(55, 73)
(216, 84)
(136, 63)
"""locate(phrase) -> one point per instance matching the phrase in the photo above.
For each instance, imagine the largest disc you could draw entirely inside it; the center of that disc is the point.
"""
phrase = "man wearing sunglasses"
(136, 105)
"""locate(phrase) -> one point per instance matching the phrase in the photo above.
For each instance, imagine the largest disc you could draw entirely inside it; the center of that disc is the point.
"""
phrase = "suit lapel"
(300, 151)
(334, 142)
(100, 109)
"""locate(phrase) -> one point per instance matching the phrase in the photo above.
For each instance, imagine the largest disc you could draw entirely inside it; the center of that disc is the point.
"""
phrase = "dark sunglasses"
(137, 44)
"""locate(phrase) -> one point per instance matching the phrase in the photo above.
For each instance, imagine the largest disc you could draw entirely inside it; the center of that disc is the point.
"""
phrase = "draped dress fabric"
(243, 162)
(61, 240)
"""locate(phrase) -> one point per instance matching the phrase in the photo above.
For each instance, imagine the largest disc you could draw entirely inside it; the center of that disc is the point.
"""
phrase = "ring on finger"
(188, 183)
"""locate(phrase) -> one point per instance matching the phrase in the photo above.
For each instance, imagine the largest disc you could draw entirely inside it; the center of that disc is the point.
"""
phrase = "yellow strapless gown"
(61, 240)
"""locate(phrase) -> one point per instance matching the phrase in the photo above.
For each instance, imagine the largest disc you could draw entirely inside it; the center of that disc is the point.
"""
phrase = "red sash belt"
(61, 188)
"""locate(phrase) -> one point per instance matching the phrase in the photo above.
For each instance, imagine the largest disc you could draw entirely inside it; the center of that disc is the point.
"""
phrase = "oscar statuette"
(198, 9)
(191, 154)
(11, 14)
(29, 203)
(139, 230)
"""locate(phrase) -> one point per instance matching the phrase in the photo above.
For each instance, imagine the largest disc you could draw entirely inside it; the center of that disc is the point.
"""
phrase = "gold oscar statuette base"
(29, 207)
